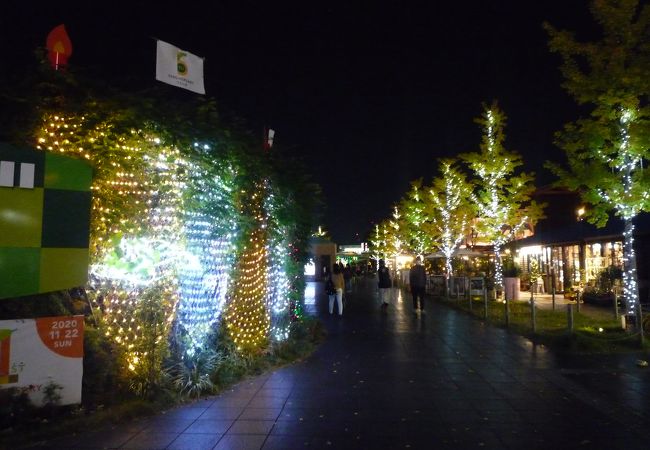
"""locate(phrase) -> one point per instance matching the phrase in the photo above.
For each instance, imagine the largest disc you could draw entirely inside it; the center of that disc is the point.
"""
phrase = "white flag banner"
(179, 68)
(269, 138)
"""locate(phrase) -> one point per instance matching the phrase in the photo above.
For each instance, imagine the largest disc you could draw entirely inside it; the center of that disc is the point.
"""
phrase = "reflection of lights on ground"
(310, 294)
(399, 296)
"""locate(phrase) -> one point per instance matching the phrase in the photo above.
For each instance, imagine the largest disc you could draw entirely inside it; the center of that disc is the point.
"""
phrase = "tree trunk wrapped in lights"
(502, 197)
(449, 211)
(246, 315)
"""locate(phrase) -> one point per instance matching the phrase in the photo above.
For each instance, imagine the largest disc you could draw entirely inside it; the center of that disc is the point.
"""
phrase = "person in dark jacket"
(384, 284)
(418, 282)
(347, 276)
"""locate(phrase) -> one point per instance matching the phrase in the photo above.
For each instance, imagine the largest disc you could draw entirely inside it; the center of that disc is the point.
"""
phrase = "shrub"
(192, 374)
(101, 376)
(510, 268)
(15, 408)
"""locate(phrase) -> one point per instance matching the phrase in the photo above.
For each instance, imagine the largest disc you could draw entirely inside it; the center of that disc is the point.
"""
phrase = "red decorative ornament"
(59, 47)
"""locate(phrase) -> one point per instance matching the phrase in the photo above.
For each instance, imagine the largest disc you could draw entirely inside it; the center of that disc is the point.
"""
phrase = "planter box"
(598, 299)
(511, 288)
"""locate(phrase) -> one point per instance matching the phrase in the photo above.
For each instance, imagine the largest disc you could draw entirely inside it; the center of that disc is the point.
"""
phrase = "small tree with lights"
(449, 209)
(415, 219)
(386, 241)
(607, 151)
(502, 196)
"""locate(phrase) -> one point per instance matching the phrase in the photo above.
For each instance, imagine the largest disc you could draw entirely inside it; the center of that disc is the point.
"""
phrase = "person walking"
(338, 284)
(384, 284)
(347, 276)
(418, 282)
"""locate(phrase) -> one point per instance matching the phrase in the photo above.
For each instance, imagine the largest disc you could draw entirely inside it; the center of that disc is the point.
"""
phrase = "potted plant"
(601, 291)
(569, 292)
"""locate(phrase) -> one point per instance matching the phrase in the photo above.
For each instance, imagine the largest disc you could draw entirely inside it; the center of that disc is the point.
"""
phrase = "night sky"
(369, 94)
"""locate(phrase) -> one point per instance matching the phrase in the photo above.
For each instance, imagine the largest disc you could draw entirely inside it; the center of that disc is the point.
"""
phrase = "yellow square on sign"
(63, 268)
(21, 217)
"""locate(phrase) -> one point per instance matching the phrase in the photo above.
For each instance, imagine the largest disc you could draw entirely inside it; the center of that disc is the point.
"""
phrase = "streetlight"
(580, 212)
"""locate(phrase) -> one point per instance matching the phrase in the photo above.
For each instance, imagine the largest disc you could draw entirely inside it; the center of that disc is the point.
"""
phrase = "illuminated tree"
(395, 236)
(383, 243)
(376, 243)
(607, 150)
(449, 210)
(501, 195)
(414, 219)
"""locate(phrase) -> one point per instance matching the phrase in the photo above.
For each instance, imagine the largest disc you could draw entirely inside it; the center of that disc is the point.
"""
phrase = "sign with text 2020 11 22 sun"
(39, 353)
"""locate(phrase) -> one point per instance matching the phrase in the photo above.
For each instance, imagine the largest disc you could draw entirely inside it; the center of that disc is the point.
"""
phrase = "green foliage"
(510, 268)
(101, 384)
(417, 240)
(192, 376)
(60, 303)
(502, 194)
(51, 393)
(607, 149)
(552, 327)
(605, 280)
(140, 362)
(15, 408)
(449, 210)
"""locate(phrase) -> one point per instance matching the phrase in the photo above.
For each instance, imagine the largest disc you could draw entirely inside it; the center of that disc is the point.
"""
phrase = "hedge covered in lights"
(194, 228)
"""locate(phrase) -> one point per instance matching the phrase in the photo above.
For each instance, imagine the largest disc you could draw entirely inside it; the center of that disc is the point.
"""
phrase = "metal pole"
(485, 299)
(553, 288)
(615, 304)
(533, 314)
(640, 319)
(569, 311)
(507, 311)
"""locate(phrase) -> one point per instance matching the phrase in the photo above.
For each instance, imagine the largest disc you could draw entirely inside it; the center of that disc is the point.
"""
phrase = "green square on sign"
(63, 268)
(62, 172)
(19, 271)
(66, 218)
(21, 217)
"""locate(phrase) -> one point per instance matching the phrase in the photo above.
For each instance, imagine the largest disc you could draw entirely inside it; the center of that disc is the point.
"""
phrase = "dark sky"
(369, 93)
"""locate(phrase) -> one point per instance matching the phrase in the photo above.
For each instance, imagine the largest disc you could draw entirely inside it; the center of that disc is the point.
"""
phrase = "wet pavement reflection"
(393, 379)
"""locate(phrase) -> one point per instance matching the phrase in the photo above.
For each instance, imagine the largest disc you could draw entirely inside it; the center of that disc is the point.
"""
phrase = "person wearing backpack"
(334, 288)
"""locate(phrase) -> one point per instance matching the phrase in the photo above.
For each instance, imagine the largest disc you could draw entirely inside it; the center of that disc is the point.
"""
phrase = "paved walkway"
(395, 380)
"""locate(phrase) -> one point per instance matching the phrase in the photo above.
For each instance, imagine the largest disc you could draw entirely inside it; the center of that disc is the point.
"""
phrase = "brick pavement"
(396, 380)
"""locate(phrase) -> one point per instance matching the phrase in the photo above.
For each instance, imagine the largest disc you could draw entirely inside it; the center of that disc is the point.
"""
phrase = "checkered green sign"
(44, 221)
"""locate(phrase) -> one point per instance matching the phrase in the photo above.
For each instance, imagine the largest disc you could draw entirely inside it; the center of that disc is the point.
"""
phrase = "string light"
(167, 223)
(449, 218)
(502, 202)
